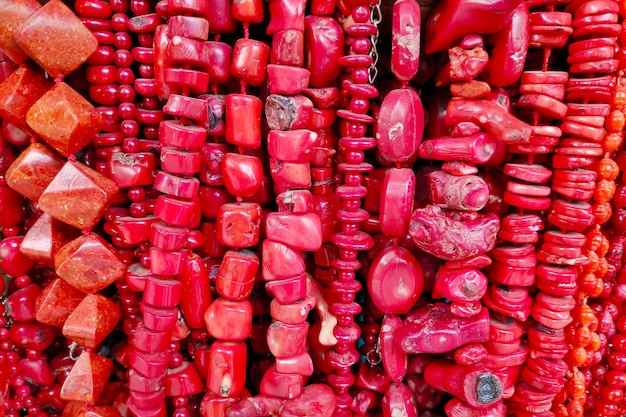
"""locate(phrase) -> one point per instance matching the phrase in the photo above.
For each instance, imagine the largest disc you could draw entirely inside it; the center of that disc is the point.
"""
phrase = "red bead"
(56, 302)
(87, 378)
(324, 41)
(299, 231)
(19, 92)
(288, 48)
(229, 320)
(180, 162)
(92, 320)
(131, 169)
(249, 62)
(288, 80)
(227, 368)
(242, 174)
(243, 120)
(235, 278)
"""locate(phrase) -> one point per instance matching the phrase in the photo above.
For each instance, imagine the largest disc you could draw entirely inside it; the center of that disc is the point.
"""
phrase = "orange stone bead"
(93, 319)
(87, 378)
(56, 302)
(56, 39)
(12, 15)
(45, 237)
(64, 119)
(78, 196)
(88, 263)
(33, 171)
(19, 92)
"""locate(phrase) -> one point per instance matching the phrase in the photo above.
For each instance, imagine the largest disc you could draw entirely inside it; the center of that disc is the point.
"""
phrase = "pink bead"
(249, 62)
(167, 263)
(186, 51)
(221, 18)
(140, 383)
(290, 175)
(399, 399)
(292, 145)
(295, 201)
(288, 48)
(184, 187)
(281, 261)
(242, 174)
(395, 280)
(288, 80)
(135, 277)
(22, 303)
(180, 162)
(162, 292)
(396, 201)
(289, 290)
(468, 192)
(301, 365)
(395, 362)
(288, 112)
(243, 120)
(186, 107)
(229, 320)
(324, 41)
(400, 125)
(295, 313)
(195, 82)
(175, 211)
(285, 15)
(227, 368)
(300, 231)
(189, 27)
(235, 278)
(287, 340)
(405, 46)
(279, 385)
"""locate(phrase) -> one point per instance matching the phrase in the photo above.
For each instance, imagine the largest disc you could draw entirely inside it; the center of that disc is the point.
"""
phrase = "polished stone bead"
(167, 262)
(292, 145)
(396, 205)
(324, 43)
(56, 39)
(196, 297)
(32, 335)
(162, 292)
(175, 211)
(98, 411)
(132, 230)
(189, 27)
(249, 61)
(301, 364)
(400, 125)
(142, 384)
(78, 195)
(87, 378)
(220, 57)
(158, 319)
(150, 365)
(19, 92)
(227, 368)
(216, 119)
(150, 341)
(21, 303)
(11, 207)
(288, 48)
(399, 400)
(88, 263)
(180, 162)
(287, 340)
(243, 120)
(288, 112)
(45, 237)
(299, 231)
(235, 278)
(212, 247)
(13, 14)
(229, 320)
(405, 44)
(131, 169)
(242, 174)
(395, 280)
(174, 134)
(211, 199)
(178, 186)
(276, 384)
(286, 15)
(280, 261)
(221, 18)
(286, 79)
(92, 320)
(185, 107)
(183, 381)
(56, 302)
(166, 237)
(212, 155)
(214, 405)
(64, 119)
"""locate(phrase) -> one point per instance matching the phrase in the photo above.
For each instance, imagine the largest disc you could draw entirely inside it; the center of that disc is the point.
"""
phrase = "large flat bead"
(400, 125)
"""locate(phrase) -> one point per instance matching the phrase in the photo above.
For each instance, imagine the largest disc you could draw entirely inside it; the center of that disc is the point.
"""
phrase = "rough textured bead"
(227, 368)
(19, 92)
(249, 62)
(14, 13)
(324, 41)
(102, 269)
(288, 48)
(56, 302)
(78, 196)
(229, 320)
(235, 278)
(87, 378)
(92, 320)
(405, 45)
(299, 231)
